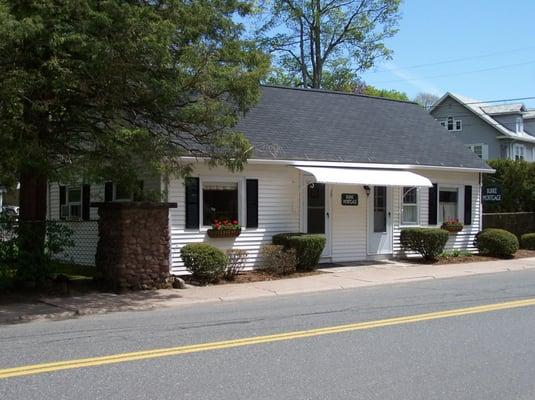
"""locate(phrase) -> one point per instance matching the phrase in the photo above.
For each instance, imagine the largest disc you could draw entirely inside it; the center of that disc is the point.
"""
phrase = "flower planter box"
(452, 228)
(223, 233)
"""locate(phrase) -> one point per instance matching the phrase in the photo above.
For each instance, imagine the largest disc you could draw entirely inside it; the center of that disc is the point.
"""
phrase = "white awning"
(361, 176)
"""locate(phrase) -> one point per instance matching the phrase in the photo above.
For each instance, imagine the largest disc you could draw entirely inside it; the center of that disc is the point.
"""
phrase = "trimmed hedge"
(308, 248)
(528, 241)
(206, 263)
(497, 242)
(428, 242)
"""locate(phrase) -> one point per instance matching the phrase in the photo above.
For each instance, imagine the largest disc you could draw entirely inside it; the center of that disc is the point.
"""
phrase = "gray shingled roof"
(305, 124)
(504, 108)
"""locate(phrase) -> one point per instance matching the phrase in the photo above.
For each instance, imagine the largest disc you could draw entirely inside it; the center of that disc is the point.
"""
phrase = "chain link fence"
(84, 239)
(78, 246)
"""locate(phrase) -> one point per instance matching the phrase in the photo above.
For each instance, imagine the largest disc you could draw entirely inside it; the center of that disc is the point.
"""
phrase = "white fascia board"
(303, 163)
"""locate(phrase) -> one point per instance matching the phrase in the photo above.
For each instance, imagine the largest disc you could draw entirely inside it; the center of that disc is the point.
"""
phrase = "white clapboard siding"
(85, 233)
(459, 241)
(278, 211)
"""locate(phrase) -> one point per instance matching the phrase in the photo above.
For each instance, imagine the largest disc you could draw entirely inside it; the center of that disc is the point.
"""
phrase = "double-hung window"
(452, 124)
(519, 151)
(409, 206)
(72, 209)
(481, 150)
(220, 201)
(448, 204)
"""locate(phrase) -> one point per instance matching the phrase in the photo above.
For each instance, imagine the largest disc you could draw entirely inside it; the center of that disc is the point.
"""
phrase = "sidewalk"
(336, 278)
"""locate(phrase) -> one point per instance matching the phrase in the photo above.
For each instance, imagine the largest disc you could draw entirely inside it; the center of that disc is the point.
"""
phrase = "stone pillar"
(133, 247)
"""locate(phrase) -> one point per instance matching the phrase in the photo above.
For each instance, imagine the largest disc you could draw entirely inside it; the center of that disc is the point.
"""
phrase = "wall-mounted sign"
(350, 199)
(492, 194)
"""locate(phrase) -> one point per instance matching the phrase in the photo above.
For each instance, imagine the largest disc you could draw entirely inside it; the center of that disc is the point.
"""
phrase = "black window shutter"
(433, 206)
(252, 203)
(108, 191)
(468, 205)
(192, 203)
(62, 198)
(86, 200)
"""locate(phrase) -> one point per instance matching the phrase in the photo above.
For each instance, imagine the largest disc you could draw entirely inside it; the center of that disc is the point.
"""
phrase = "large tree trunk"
(316, 29)
(32, 219)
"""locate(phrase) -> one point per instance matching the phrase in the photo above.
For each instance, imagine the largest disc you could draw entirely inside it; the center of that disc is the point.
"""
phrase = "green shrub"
(528, 241)
(281, 239)
(308, 247)
(428, 242)
(497, 242)
(206, 263)
(276, 260)
(18, 264)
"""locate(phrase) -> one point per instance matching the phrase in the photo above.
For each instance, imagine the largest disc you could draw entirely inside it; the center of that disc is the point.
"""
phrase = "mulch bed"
(260, 276)
(522, 253)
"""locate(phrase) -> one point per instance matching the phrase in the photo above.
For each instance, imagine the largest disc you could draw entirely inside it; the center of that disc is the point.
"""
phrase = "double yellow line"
(227, 344)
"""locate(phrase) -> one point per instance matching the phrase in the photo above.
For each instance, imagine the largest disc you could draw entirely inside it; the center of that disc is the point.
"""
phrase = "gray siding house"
(505, 131)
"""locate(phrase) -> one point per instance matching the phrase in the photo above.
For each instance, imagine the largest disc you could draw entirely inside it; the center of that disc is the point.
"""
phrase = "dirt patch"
(522, 253)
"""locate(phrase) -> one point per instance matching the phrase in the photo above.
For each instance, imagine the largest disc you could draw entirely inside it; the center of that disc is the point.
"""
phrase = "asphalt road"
(488, 355)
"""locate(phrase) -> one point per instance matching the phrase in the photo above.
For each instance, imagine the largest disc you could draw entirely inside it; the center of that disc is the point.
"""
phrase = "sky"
(492, 43)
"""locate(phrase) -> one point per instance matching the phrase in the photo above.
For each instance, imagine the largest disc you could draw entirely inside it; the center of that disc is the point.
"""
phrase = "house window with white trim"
(409, 206)
(519, 151)
(452, 124)
(121, 193)
(72, 209)
(220, 201)
(519, 125)
(448, 204)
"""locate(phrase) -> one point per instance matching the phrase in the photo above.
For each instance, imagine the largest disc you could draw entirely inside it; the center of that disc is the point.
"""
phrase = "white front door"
(318, 213)
(380, 220)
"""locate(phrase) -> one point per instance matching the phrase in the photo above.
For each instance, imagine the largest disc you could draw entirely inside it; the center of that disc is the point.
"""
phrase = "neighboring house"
(355, 168)
(505, 131)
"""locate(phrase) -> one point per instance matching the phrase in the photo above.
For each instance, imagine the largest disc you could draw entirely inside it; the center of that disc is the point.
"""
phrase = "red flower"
(234, 222)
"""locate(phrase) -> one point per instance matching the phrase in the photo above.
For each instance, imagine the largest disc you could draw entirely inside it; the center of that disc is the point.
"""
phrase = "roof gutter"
(520, 139)
(259, 161)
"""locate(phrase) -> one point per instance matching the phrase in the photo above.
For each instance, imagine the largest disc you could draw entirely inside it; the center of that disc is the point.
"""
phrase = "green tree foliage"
(93, 88)
(87, 85)
(311, 40)
(341, 79)
(517, 181)
(389, 94)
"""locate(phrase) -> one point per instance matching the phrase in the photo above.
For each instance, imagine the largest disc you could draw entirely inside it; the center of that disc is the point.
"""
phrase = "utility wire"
(456, 74)
(454, 60)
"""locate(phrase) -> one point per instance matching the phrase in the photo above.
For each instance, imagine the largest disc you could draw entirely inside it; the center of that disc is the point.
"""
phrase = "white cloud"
(422, 85)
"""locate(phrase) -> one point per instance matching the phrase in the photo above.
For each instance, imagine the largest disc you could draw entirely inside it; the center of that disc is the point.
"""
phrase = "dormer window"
(519, 125)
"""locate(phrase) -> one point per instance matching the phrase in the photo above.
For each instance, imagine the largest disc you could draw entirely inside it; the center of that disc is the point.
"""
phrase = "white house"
(356, 168)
